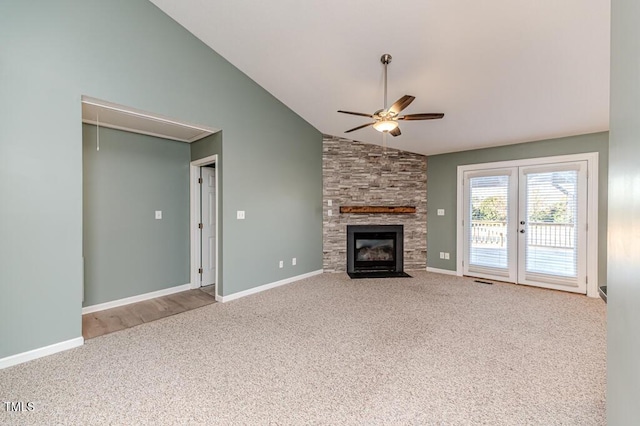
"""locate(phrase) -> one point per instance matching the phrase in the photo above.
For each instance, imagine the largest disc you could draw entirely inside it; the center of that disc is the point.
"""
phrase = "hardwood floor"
(210, 289)
(103, 322)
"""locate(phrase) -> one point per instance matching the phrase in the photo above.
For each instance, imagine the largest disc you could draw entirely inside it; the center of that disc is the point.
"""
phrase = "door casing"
(592, 207)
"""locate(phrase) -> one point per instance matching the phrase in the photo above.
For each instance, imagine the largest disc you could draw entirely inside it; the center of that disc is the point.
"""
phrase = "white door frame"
(196, 237)
(592, 207)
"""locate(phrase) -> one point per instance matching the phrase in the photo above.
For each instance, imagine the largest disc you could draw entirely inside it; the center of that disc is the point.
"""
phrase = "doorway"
(134, 203)
(526, 222)
(204, 224)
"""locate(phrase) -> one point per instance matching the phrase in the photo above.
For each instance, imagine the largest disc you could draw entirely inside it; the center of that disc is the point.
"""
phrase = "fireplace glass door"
(375, 251)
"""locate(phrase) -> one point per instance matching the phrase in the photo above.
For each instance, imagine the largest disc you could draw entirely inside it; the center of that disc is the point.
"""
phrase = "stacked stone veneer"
(359, 174)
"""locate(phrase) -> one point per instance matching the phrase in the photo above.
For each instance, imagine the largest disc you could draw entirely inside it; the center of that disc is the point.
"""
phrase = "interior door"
(552, 227)
(208, 230)
(527, 225)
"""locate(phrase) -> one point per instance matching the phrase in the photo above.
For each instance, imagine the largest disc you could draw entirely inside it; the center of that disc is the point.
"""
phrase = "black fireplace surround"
(375, 251)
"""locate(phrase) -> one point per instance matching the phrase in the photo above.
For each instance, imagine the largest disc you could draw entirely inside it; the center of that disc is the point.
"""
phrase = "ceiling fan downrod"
(386, 60)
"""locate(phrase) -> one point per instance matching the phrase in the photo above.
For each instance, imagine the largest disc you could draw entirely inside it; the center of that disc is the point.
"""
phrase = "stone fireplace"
(359, 174)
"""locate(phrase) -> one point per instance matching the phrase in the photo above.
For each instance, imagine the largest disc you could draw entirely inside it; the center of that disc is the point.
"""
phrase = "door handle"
(522, 231)
(522, 222)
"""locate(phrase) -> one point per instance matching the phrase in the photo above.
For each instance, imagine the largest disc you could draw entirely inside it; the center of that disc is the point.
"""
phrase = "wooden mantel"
(378, 209)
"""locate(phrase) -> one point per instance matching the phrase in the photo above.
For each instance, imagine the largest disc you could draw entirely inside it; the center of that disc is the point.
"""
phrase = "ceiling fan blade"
(359, 127)
(401, 104)
(430, 116)
(395, 132)
(357, 113)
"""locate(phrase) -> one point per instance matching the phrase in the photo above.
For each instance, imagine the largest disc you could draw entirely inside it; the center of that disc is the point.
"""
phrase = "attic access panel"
(120, 117)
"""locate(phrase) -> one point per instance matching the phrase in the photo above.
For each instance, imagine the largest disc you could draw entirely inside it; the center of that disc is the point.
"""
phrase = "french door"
(527, 225)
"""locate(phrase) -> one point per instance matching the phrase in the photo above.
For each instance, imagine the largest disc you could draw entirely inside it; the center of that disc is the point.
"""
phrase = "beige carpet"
(428, 350)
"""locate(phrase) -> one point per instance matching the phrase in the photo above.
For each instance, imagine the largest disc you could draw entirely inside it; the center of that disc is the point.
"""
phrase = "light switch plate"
(329, 212)
(329, 203)
(240, 214)
(158, 214)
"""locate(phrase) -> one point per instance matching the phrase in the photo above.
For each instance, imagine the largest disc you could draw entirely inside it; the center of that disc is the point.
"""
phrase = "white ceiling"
(502, 71)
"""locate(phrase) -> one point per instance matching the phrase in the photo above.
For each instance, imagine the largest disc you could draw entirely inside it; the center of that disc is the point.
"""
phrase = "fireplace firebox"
(375, 251)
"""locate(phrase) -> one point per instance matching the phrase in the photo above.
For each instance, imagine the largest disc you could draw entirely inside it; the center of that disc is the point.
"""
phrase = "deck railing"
(485, 232)
(556, 235)
(542, 234)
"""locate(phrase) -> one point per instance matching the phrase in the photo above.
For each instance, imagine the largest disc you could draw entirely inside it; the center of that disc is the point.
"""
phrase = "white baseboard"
(264, 287)
(441, 271)
(40, 352)
(134, 299)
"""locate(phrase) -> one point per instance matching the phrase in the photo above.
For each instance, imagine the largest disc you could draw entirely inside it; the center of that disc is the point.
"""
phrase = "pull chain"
(97, 132)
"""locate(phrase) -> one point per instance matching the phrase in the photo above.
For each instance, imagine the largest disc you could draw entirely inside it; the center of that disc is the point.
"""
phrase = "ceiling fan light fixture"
(385, 125)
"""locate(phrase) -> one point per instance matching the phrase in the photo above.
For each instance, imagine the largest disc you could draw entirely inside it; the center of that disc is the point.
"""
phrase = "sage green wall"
(442, 175)
(127, 251)
(623, 283)
(129, 52)
(279, 186)
(206, 147)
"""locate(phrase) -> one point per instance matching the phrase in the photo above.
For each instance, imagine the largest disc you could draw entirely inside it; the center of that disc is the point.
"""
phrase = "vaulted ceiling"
(502, 71)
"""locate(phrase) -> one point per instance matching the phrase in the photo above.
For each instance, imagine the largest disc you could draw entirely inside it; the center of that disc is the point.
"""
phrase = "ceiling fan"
(386, 119)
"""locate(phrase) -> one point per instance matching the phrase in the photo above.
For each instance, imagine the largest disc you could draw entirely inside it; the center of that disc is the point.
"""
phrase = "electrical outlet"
(329, 212)
(240, 214)
(440, 212)
(294, 261)
(158, 214)
(446, 256)
(282, 263)
(441, 255)
(329, 203)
